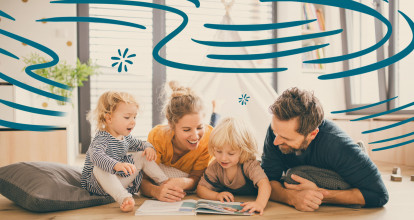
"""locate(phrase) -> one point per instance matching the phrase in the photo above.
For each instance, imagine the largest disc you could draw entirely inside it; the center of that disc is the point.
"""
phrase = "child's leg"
(114, 185)
(149, 167)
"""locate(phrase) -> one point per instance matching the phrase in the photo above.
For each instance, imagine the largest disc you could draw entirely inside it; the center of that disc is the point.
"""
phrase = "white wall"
(52, 35)
(330, 92)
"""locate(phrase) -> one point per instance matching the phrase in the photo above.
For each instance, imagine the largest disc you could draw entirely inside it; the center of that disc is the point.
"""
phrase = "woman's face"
(188, 131)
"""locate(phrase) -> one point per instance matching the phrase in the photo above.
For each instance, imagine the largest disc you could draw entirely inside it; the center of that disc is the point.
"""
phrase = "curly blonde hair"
(182, 101)
(234, 132)
(107, 104)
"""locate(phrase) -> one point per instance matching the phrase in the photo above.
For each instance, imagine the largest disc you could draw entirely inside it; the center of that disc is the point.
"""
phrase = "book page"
(155, 207)
(217, 207)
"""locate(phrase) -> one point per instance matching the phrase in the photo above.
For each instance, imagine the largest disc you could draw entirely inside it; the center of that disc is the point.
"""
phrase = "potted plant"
(63, 73)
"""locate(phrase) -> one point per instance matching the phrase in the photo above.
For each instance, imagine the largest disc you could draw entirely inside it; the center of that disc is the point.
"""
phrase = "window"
(372, 87)
(106, 41)
(405, 77)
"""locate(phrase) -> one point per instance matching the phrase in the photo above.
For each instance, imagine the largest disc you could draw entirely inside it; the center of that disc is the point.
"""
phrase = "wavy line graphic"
(354, 6)
(29, 71)
(267, 41)
(364, 107)
(4, 14)
(346, 4)
(392, 139)
(257, 27)
(266, 55)
(170, 36)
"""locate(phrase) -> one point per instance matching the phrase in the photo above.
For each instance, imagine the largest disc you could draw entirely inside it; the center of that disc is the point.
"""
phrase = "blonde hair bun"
(181, 101)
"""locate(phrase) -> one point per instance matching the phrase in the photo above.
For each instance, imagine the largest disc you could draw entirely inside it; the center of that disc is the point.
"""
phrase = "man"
(299, 135)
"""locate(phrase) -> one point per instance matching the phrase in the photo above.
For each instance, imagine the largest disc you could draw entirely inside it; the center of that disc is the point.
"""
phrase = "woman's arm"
(187, 183)
(166, 192)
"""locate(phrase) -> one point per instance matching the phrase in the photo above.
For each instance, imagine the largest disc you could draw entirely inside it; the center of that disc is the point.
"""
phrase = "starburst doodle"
(244, 99)
(121, 59)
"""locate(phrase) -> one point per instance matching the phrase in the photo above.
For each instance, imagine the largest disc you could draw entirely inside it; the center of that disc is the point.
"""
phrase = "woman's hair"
(181, 102)
(107, 104)
(235, 133)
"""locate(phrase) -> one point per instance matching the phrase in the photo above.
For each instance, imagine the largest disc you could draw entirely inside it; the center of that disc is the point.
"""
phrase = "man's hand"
(307, 200)
(303, 184)
(127, 168)
(150, 154)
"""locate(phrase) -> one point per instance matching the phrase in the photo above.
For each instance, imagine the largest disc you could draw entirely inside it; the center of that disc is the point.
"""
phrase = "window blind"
(106, 40)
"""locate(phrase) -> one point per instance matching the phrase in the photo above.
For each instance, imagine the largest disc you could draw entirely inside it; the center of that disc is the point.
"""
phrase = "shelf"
(310, 12)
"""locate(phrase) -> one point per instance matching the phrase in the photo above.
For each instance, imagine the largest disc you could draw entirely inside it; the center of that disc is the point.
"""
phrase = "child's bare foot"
(128, 204)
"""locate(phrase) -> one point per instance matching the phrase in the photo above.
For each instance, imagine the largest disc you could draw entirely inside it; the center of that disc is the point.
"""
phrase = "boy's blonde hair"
(182, 101)
(107, 104)
(234, 132)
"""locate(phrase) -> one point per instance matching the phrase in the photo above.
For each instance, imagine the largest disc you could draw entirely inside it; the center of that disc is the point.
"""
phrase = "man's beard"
(290, 150)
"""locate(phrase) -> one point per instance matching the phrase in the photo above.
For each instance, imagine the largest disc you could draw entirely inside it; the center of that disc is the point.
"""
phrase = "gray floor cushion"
(46, 187)
(323, 178)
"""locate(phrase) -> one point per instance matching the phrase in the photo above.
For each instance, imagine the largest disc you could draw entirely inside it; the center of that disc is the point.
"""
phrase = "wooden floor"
(400, 206)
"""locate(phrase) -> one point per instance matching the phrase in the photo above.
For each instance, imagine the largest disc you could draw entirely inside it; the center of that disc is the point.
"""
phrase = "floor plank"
(399, 207)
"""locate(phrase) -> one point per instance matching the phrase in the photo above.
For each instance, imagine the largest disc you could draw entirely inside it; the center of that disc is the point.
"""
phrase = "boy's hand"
(253, 207)
(150, 154)
(225, 197)
(127, 168)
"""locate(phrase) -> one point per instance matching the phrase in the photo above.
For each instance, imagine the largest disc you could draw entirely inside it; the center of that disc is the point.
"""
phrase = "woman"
(182, 144)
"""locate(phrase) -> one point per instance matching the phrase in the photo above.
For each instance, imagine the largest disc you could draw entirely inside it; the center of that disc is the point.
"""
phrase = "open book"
(190, 207)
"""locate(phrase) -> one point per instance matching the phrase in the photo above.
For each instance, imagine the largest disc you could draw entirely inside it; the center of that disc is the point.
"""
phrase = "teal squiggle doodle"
(266, 55)
(4, 14)
(31, 109)
(29, 69)
(257, 27)
(392, 139)
(7, 53)
(351, 5)
(267, 41)
(364, 107)
(174, 33)
(93, 20)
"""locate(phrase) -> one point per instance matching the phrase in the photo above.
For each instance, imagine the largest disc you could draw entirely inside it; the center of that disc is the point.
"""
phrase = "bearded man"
(300, 139)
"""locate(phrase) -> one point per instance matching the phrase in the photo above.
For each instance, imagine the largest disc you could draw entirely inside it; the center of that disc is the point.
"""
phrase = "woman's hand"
(150, 154)
(168, 192)
(127, 168)
(253, 207)
(225, 197)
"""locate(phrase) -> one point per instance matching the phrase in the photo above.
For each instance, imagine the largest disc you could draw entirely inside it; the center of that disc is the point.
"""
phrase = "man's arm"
(303, 200)
(357, 169)
(345, 197)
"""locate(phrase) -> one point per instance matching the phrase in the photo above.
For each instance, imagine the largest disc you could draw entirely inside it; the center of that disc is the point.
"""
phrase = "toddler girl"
(235, 170)
(108, 168)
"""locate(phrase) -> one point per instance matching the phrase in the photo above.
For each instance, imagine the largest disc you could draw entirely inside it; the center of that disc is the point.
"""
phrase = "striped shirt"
(104, 152)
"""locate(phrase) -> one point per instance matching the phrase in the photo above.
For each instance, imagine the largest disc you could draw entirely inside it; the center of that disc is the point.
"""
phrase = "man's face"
(288, 140)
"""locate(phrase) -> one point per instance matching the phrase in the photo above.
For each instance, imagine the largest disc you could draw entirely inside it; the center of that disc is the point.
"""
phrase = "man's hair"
(301, 104)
